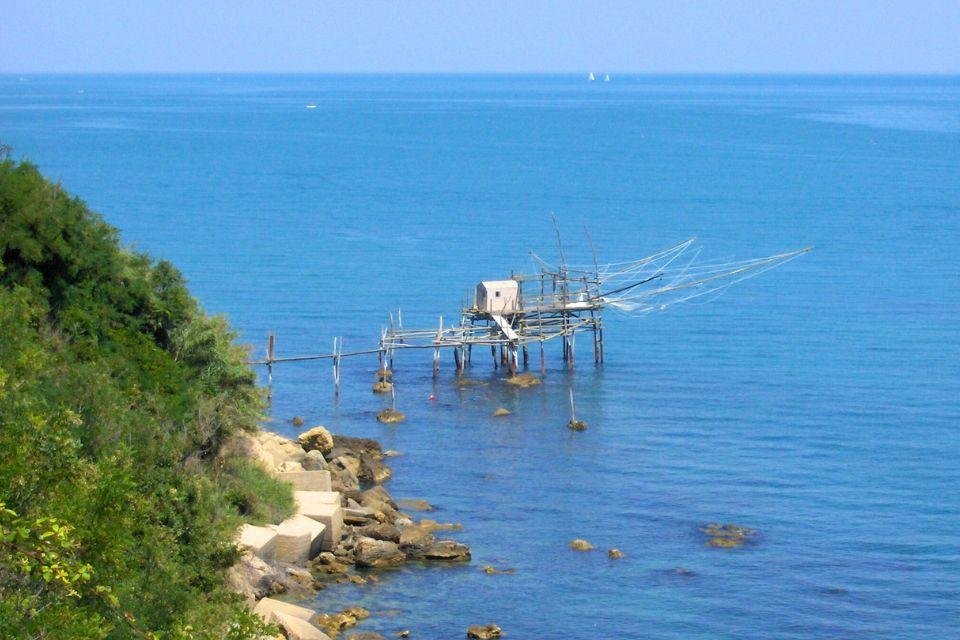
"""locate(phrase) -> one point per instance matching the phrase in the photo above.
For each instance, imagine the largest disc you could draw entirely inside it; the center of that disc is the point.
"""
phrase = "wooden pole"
(573, 342)
(336, 367)
(526, 356)
(601, 339)
(573, 412)
(543, 361)
(271, 354)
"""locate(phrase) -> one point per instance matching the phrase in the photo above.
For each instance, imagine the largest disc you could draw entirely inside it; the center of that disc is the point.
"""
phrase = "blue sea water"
(818, 403)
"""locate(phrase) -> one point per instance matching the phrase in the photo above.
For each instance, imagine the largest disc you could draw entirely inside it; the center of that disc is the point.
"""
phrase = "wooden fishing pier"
(525, 311)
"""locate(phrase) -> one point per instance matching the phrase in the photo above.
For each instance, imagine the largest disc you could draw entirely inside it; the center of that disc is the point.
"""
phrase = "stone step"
(324, 507)
(306, 480)
(261, 541)
(299, 539)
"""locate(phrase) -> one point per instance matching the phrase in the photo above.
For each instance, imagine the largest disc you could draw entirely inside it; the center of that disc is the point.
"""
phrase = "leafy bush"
(116, 393)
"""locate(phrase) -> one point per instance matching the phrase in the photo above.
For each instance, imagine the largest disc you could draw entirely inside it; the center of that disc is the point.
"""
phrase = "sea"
(818, 403)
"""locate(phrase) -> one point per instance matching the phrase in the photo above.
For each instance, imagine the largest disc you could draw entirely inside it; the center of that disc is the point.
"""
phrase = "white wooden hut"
(498, 296)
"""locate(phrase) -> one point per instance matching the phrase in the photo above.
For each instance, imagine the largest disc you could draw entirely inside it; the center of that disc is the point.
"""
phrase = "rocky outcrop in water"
(484, 632)
(727, 536)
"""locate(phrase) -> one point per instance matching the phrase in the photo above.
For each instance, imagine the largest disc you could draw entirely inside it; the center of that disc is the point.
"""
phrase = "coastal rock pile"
(346, 520)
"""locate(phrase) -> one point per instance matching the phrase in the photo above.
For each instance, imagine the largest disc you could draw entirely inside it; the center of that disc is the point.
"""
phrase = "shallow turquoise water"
(819, 403)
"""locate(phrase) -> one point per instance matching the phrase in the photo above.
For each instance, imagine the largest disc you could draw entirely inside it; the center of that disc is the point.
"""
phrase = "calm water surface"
(819, 403)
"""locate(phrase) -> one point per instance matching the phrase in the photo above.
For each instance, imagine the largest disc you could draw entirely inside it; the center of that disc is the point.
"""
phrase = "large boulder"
(358, 446)
(253, 578)
(314, 461)
(418, 543)
(448, 551)
(382, 511)
(344, 480)
(377, 554)
(316, 439)
(348, 462)
(379, 531)
(373, 471)
(415, 541)
(268, 449)
(378, 493)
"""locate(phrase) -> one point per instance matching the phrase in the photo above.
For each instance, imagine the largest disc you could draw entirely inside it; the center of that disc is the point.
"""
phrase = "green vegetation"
(116, 393)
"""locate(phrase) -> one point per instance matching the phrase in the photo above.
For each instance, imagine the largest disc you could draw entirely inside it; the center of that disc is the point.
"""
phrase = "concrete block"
(261, 541)
(297, 629)
(298, 539)
(324, 507)
(306, 480)
(266, 606)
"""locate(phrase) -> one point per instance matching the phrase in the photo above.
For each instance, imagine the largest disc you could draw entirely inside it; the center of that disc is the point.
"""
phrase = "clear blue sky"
(854, 36)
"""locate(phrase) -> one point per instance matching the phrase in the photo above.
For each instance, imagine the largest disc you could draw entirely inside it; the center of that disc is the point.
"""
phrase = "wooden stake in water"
(271, 354)
(576, 425)
(337, 350)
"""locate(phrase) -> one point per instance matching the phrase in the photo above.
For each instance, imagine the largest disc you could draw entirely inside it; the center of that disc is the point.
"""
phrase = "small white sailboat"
(606, 78)
(311, 106)
(591, 77)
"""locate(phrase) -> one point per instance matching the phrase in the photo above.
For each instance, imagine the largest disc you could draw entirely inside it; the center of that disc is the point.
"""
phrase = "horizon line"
(490, 73)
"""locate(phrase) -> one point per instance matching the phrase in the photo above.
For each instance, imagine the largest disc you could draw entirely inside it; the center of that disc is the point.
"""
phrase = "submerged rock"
(615, 554)
(501, 412)
(334, 623)
(447, 551)
(577, 425)
(382, 386)
(727, 536)
(433, 525)
(491, 570)
(415, 505)
(581, 545)
(484, 632)
(390, 416)
(523, 380)
(297, 421)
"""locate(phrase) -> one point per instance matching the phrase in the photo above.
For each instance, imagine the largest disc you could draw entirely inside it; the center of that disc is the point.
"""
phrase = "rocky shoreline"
(346, 528)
